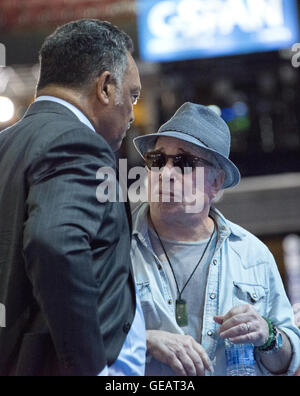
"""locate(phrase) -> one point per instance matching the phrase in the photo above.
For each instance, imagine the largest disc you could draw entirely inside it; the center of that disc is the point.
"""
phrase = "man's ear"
(105, 87)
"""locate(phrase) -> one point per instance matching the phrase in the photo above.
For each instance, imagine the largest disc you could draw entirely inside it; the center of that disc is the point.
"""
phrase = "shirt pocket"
(151, 315)
(251, 294)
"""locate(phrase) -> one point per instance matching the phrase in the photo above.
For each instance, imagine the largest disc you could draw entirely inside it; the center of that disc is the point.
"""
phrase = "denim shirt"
(242, 271)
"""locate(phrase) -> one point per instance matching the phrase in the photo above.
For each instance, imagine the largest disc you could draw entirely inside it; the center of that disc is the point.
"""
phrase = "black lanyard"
(181, 305)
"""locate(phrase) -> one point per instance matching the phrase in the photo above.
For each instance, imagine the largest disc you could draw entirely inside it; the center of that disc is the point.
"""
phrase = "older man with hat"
(201, 278)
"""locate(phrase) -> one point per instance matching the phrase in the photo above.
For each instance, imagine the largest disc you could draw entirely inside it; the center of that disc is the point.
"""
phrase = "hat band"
(186, 133)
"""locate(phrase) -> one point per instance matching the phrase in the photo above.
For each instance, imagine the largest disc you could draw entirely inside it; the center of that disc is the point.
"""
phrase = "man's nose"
(132, 118)
(168, 170)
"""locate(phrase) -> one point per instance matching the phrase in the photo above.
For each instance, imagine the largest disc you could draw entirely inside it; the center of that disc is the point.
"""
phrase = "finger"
(240, 330)
(235, 321)
(187, 363)
(244, 339)
(198, 363)
(240, 309)
(170, 359)
(201, 360)
(164, 355)
(204, 357)
(178, 367)
(219, 319)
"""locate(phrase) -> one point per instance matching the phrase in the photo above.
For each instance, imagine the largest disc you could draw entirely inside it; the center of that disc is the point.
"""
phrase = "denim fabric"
(242, 271)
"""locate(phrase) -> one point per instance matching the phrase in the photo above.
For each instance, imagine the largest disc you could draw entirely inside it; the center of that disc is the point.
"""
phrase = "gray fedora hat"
(201, 126)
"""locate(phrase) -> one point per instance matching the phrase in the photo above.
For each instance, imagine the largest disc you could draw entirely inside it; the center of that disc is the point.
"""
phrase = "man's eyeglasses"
(158, 159)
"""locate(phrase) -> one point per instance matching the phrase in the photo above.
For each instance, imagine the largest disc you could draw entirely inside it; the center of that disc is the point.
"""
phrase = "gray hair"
(80, 51)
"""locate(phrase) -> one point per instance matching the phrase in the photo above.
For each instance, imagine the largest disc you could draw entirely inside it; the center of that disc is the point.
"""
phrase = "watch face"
(276, 344)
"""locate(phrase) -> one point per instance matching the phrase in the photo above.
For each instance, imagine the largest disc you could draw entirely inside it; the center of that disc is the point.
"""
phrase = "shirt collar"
(225, 225)
(71, 107)
(140, 223)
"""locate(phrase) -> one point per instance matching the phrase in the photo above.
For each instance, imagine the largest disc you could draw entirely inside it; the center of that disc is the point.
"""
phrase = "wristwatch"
(274, 343)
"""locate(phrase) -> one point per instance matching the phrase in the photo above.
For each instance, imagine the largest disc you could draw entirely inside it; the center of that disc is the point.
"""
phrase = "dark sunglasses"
(157, 159)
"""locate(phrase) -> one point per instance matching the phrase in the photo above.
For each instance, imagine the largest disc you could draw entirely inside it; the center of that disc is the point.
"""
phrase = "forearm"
(279, 362)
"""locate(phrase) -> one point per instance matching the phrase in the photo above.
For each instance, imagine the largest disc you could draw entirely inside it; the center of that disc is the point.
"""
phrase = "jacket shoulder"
(42, 132)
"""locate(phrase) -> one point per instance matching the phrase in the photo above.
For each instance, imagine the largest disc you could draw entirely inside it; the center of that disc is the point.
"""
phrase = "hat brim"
(147, 142)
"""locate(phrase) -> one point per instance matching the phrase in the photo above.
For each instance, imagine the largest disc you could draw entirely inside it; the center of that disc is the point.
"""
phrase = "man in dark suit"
(65, 269)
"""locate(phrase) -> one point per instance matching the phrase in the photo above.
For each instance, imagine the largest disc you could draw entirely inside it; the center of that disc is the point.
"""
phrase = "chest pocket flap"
(248, 293)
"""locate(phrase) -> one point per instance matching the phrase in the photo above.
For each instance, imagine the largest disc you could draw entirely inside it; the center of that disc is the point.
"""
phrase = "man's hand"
(243, 325)
(181, 352)
(296, 308)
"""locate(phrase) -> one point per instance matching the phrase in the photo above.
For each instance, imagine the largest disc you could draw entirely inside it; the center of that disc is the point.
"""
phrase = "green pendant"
(181, 313)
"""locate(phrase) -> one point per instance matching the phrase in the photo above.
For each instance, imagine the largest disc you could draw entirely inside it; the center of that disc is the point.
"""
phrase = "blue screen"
(171, 30)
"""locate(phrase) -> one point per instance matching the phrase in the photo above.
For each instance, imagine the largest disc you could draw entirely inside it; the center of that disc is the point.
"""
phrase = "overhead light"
(7, 109)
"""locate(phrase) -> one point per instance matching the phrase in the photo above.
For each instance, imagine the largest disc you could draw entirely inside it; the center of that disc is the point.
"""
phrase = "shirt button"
(170, 302)
(210, 333)
(254, 296)
(159, 267)
(213, 296)
(215, 262)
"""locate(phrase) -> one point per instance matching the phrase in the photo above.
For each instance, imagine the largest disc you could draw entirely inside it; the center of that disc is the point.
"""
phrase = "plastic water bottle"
(240, 360)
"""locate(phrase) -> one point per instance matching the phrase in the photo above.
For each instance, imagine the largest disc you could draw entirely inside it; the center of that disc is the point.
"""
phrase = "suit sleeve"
(63, 218)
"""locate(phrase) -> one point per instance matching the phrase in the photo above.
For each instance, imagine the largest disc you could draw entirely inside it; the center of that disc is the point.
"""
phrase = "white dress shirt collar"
(71, 107)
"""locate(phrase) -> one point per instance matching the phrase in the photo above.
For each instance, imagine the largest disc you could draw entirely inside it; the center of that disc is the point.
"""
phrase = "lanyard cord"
(169, 261)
